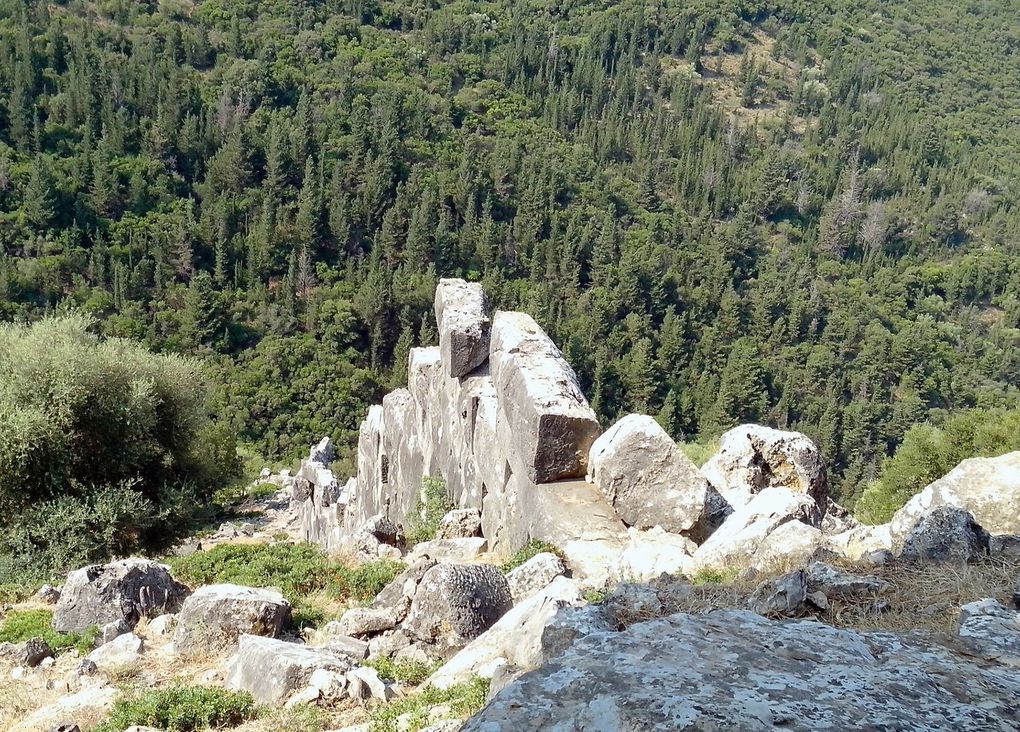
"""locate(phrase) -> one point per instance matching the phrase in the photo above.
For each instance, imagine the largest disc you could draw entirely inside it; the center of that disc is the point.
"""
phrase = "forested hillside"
(788, 211)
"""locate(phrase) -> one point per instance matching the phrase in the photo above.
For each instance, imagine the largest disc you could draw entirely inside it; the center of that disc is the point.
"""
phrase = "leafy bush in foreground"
(182, 709)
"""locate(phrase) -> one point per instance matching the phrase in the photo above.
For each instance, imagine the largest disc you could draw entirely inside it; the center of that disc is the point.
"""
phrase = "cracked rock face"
(645, 476)
(945, 534)
(127, 590)
(462, 312)
(752, 458)
(991, 631)
(215, 616)
(734, 670)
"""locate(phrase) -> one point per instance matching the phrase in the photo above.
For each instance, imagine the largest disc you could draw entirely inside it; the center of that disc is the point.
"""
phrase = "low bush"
(463, 699)
(182, 709)
(432, 504)
(23, 625)
(406, 672)
(528, 551)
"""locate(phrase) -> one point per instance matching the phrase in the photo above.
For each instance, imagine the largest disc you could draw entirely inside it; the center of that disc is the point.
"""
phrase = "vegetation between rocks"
(23, 625)
(182, 709)
(406, 672)
(528, 551)
(432, 504)
(462, 699)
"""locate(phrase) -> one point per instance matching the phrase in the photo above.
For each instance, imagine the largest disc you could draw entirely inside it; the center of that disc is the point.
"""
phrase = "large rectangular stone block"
(462, 315)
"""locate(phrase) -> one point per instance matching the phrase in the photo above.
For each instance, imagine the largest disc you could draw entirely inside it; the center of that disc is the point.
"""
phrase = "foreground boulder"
(991, 631)
(455, 603)
(752, 458)
(646, 477)
(985, 487)
(271, 670)
(945, 534)
(128, 590)
(121, 653)
(534, 575)
(734, 670)
(215, 616)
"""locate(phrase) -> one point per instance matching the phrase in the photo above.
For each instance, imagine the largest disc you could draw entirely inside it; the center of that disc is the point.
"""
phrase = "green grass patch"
(298, 570)
(11, 593)
(433, 503)
(182, 709)
(464, 700)
(406, 672)
(595, 597)
(699, 452)
(710, 576)
(23, 625)
(529, 550)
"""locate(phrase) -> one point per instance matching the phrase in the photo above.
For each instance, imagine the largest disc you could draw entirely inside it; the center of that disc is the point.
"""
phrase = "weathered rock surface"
(455, 603)
(120, 653)
(89, 703)
(516, 637)
(736, 543)
(460, 524)
(462, 312)
(1005, 546)
(834, 582)
(780, 596)
(985, 487)
(731, 669)
(271, 670)
(362, 621)
(399, 592)
(991, 631)
(128, 590)
(463, 549)
(945, 534)
(34, 651)
(215, 616)
(752, 458)
(793, 544)
(646, 477)
(534, 575)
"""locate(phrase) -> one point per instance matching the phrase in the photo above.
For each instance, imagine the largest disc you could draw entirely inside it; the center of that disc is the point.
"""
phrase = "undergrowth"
(432, 504)
(23, 625)
(463, 699)
(410, 673)
(528, 551)
(182, 709)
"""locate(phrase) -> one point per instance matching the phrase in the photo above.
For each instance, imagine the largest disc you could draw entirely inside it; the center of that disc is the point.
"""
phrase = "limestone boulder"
(548, 425)
(991, 631)
(399, 592)
(455, 603)
(736, 543)
(464, 549)
(363, 621)
(534, 575)
(838, 583)
(646, 477)
(945, 534)
(646, 555)
(732, 669)
(122, 652)
(127, 589)
(571, 623)
(460, 524)
(987, 488)
(462, 315)
(752, 458)
(791, 545)
(780, 596)
(516, 637)
(272, 670)
(215, 616)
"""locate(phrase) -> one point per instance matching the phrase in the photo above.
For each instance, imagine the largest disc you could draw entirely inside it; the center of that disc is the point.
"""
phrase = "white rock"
(163, 625)
(122, 652)
(534, 575)
(271, 670)
(991, 631)
(360, 621)
(215, 616)
(648, 554)
(378, 688)
(462, 314)
(449, 550)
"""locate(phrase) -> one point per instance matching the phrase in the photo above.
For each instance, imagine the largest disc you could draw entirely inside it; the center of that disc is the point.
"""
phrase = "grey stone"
(369, 677)
(752, 458)
(388, 644)
(991, 631)
(113, 630)
(735, 670)
(399, 592)
(346, 647)
(791, 545)
(516, 637)
(841, 584)
(945, 534)
(34, 651)
(646, 477)
(460, 524)
(548, 425)
(414, 653)
(362, 621)
(128, 589)
(780, 596)
(122, 652)
(632, 603)
(163, 625)
(272, 670)
(215, 616)
(324, 453)
(837, 519)
(571, 623)
(985, 487)
(48, 594)
(534, 575)
(737, 542)
(456, 603)
(450, 550)
(462, 315)
(1004, 546)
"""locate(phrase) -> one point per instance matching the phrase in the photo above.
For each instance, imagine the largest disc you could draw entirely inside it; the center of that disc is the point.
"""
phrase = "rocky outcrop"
(646, 478)
(991, 631)
(272, 670)
(454, 604)
(215, 616)
(127, 590)
(945, 534)
(732, 669)
(495, 412)
(534, 575)
(985, 487)
(752, 458)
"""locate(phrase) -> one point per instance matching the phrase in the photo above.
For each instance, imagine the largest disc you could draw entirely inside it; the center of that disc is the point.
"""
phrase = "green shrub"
(699, 452)
(529, 550)
(182, 709)
(406, 672)
(433, 503)
(464, 700)
(298, 570)
(928, 452)
(710, 576)
(22, 625)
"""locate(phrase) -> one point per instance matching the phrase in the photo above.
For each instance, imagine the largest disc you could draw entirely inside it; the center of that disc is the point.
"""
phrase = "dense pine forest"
(796, 212)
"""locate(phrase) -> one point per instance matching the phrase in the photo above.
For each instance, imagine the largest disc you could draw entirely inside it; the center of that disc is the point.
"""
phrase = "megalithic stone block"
(551, 426)
(462, 314)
